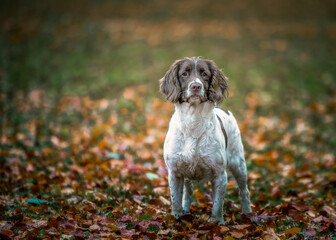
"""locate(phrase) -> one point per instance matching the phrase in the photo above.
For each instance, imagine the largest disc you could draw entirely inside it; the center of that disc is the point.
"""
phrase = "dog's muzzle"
(195, 89)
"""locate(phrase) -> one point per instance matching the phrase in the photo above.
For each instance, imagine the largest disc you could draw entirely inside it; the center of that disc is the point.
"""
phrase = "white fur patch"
(196, 80)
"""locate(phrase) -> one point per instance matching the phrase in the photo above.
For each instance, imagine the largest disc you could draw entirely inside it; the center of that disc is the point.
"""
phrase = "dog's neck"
(194, 119)
(203, 110)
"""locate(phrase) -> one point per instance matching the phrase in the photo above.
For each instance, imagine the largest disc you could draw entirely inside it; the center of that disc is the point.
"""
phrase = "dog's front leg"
(187, 194)
(176, 192)
(219, 188)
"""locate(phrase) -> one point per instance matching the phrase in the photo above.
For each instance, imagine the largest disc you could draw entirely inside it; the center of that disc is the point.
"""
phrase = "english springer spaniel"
(203, 140)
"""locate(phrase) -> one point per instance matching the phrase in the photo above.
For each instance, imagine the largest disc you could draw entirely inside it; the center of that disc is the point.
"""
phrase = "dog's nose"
(195, 87)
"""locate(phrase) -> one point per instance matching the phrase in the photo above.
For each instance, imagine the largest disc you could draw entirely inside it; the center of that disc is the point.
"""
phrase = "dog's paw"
(177, 214)
(221, 222)
(186, 211)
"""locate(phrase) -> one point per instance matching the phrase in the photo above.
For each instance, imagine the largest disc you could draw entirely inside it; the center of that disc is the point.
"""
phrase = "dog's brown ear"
(218, 89)
(169, 85)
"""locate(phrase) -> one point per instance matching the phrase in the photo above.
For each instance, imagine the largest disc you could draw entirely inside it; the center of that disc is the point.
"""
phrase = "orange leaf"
(230, 184)
(129, 93)
(199, 196)
(103, 144)
(124, 111)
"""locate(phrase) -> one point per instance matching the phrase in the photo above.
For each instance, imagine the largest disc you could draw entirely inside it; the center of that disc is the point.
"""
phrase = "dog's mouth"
(196, 98)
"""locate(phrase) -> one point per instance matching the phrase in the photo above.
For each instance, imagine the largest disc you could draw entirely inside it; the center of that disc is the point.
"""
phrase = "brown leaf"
(6, 234)
(165, 201)
(156, 202)
(237, 234)
(292, 231)
(150, 210)
(224, 228)
(94, 228)
(164, 232)
(318, 219)
(329, 211)
(229, 238)
(270, 234)
(52, 231)
(39, 223)
(241, 227)
(113, 228)
(310, 232)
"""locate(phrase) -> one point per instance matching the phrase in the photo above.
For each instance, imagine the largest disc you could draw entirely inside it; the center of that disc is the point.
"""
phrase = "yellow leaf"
(199, 196)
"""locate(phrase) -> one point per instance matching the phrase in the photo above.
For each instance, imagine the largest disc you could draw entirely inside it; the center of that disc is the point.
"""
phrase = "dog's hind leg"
(187, 194)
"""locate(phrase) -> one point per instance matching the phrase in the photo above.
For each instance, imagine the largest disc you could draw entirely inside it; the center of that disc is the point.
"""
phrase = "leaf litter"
(88, 169)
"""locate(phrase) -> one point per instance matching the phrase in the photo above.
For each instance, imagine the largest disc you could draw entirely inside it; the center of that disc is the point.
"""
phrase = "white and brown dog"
(203, 140)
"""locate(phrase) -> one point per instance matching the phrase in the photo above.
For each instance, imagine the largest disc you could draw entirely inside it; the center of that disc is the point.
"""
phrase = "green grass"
(69, 53)
(104, 71)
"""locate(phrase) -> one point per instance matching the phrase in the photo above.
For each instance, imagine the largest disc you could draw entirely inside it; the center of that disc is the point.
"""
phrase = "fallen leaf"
(165, 201)
(152, 176)
(36, 201)
(270, 234)
(292, 231)
(94, 228)
(329, 211)
(237, 234)
(241, 227)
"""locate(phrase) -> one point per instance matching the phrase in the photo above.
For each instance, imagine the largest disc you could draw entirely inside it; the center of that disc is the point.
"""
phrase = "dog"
(203, 140)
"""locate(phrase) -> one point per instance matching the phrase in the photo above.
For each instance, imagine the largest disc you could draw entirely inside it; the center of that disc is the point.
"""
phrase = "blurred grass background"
(281, 49)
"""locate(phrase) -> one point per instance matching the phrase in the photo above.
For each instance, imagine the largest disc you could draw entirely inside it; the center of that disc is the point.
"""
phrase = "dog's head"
(194, 80)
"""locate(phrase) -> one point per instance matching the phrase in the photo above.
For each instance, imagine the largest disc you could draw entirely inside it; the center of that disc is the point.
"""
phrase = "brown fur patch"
(169, 85)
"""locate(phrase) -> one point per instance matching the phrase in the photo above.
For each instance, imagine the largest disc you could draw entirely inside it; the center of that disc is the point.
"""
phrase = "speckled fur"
(195, 149)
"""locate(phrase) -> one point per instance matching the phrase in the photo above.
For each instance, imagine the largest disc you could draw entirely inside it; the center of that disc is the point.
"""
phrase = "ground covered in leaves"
(89, 169)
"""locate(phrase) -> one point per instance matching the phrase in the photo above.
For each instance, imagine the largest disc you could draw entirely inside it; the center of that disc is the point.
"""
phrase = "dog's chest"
(196, 168)
(199, 158)
(194, 146)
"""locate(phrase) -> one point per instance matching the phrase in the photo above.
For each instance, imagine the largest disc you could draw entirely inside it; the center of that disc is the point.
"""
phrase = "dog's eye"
(184, 74)
(204, 74)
